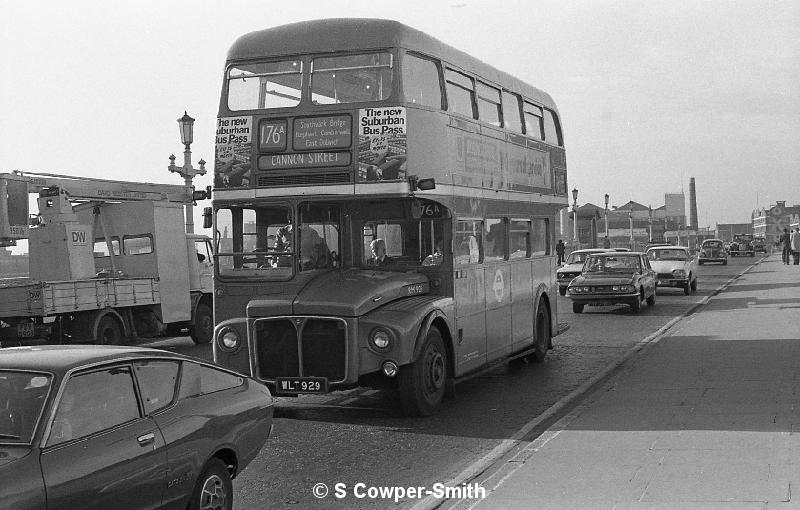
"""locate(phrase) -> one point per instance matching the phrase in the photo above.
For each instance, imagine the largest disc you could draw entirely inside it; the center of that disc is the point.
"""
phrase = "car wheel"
(213, 490)
(203, 328)
(724, 262)
(687, 289)
(694, 285)
(109, 331)
(652, 299)
(542, 332)
(577, 307)
(563, 291)
(422, 383)
(636, 305)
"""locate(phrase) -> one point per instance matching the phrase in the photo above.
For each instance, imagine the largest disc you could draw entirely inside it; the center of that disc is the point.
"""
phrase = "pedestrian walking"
(560, 252)
(786, 246)
(794, 241)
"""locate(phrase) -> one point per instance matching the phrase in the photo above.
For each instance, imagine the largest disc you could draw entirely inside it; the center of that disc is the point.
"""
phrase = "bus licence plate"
(301, 385)
(25, 330)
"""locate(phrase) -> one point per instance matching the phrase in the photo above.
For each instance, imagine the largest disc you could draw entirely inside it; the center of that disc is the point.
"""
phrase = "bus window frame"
(479, 240)
(471, 91)
(519, 128)
(556, 127)
(439, 73)
(261, 96)
(392, 66)
(528, 237)
(540, 116)
(481, 99)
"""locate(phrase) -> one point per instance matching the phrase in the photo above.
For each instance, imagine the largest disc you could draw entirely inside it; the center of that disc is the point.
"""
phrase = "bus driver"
(379, 257)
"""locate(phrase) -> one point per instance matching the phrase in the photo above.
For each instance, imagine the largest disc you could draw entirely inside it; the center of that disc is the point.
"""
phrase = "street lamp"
(606, 243)
(575, 217)
(187, 171)
(650, 220)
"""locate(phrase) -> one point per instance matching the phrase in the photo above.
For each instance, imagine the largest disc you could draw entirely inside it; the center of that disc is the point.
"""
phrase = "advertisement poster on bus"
(382, 144)
(232, 167)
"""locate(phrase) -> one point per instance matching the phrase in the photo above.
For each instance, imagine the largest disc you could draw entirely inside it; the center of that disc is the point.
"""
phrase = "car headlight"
(679, 273)
(230, 340)
(380, 339)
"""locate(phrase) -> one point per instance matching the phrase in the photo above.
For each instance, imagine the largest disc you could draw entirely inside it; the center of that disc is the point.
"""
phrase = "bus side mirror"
(207, 213)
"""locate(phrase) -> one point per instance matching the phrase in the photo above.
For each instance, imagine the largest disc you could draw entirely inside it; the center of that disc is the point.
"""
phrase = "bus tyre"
(422, 384)
(213, 489)
(577, 307)
(542, 332)
(108, 332)
(203, 328)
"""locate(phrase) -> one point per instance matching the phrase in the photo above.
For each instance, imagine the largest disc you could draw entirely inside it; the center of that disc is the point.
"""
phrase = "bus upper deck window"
(265, 85)
(351, 78)
(421, 83)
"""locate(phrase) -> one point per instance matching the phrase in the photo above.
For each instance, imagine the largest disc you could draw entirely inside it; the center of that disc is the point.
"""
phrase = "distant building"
(725, 231)
(769, 222)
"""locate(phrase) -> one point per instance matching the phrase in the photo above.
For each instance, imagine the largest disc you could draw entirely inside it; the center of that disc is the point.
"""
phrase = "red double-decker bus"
(383, 211)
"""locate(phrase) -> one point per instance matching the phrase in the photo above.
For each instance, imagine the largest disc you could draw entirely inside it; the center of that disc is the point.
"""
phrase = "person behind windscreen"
(786, 245)
(379, 257)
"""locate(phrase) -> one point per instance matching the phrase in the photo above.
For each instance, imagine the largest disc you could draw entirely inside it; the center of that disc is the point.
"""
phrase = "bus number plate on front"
(301, 385)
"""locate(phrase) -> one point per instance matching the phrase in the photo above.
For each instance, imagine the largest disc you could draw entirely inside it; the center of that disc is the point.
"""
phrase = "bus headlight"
(229, 340)
(380, 339)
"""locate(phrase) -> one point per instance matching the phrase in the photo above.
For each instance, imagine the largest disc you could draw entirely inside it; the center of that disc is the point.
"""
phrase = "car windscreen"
(22, 398)
(667, 255)
(606, 264)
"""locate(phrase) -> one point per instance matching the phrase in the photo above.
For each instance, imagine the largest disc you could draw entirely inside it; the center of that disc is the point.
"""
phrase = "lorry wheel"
(108, 332)
(213, 489)
(203, 328)
(422, 383)
(542, 331)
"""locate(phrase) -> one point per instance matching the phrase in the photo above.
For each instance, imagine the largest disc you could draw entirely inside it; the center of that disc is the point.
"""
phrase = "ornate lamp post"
(187, 171)
(575, 217)
(606, 243)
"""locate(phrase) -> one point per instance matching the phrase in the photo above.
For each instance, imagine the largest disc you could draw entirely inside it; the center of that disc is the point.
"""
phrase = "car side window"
(157, 382)
(92, 402)
(197, 379)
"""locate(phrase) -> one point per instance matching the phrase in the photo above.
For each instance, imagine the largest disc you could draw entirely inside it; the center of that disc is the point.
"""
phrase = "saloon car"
(713, 250)
(572, 267)
(675, 266)
(611, 278)
(124, 427)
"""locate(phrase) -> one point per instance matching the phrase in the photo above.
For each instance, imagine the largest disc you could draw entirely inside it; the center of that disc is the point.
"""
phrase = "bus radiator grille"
(323, 348)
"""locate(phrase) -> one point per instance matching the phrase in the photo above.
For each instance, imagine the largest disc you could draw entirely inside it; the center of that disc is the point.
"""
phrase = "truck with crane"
(110, 262)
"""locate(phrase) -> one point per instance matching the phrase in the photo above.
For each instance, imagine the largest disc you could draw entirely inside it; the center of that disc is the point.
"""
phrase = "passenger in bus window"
(379, 257)
(283, 242)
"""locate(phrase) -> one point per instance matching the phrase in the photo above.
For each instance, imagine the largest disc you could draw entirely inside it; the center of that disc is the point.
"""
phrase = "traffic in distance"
(383, 212)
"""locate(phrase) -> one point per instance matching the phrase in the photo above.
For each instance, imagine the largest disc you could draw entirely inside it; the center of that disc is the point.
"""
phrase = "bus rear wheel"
(543, 334)
(422, 383)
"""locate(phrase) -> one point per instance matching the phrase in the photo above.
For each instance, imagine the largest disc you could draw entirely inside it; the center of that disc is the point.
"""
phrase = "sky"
(650, 93)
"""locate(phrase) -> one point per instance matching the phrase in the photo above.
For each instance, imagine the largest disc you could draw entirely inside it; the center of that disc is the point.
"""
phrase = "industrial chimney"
(692, 205)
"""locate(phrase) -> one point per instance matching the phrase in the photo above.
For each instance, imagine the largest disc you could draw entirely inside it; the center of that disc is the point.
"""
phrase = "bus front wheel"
(422, 383)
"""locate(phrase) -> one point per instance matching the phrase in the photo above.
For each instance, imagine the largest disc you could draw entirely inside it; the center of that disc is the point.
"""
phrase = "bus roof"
(346, 34)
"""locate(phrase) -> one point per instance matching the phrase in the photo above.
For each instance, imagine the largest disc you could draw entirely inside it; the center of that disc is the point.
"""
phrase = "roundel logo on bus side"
(776, 211)
(499, 285)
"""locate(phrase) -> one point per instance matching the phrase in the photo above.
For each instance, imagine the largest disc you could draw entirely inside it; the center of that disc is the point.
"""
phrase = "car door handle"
(146, 439)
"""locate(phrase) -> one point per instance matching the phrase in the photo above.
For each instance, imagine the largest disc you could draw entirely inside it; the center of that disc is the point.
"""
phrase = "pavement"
(704, 416)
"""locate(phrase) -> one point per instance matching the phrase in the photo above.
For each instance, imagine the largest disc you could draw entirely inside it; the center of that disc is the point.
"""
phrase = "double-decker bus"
(336, 137)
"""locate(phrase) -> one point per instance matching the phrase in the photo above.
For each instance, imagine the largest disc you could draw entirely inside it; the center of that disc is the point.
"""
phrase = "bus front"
(328, 256)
